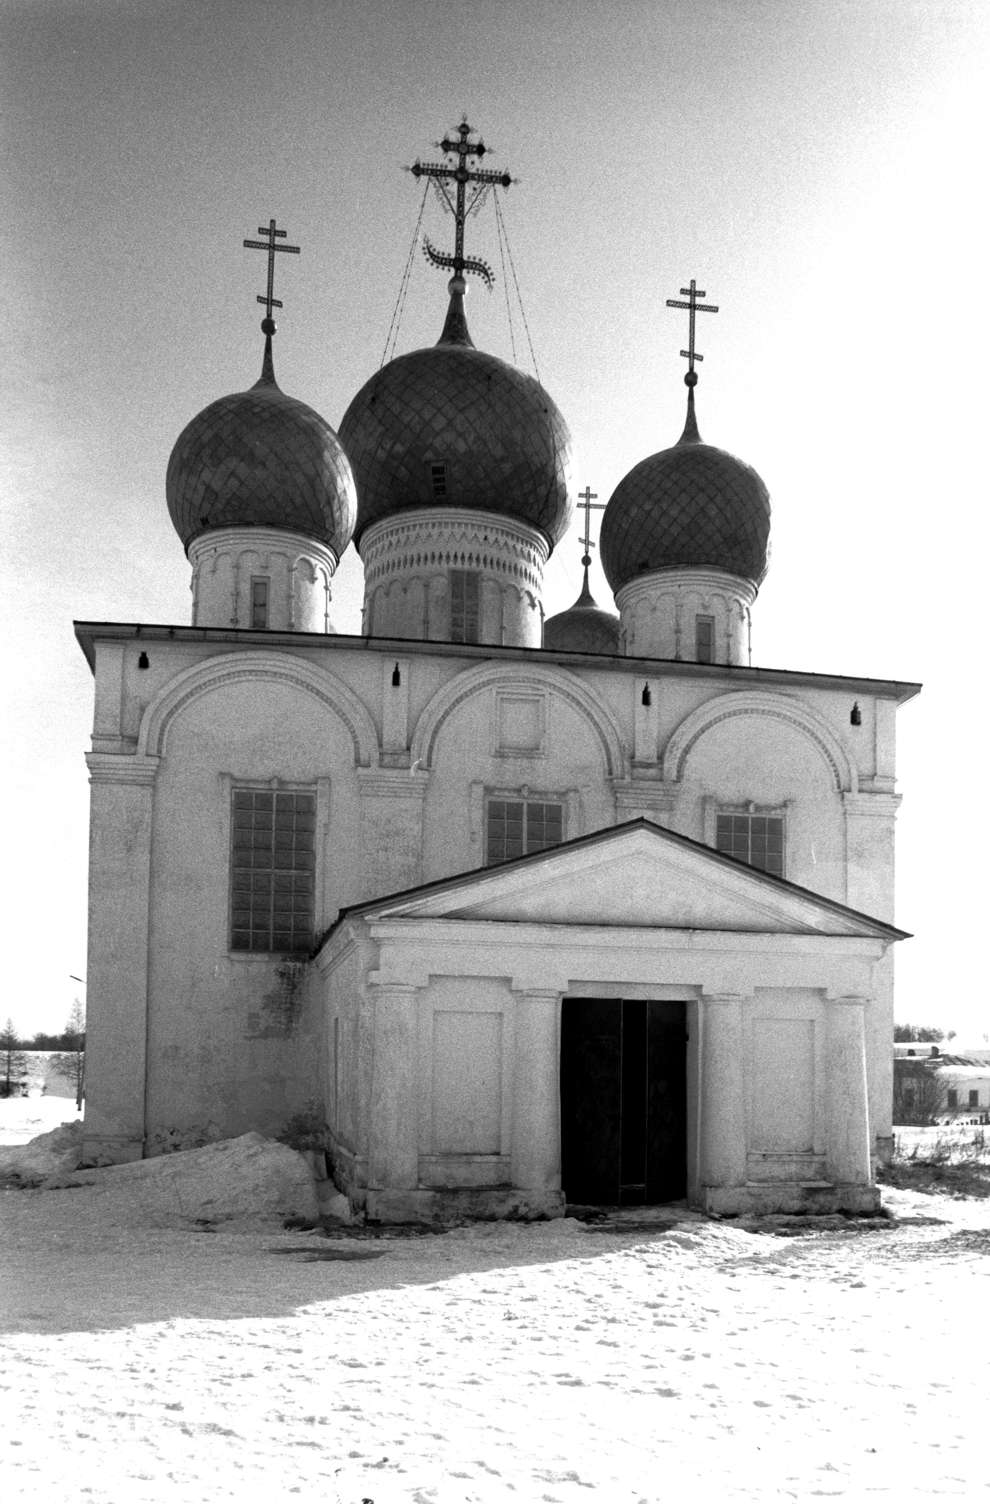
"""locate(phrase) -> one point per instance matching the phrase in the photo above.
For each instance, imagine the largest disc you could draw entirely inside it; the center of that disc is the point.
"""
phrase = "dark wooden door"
(622, 1101)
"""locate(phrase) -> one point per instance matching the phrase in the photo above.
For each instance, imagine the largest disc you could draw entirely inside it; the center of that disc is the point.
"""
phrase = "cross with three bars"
(269, 245)
(692, 293)
(586, 500)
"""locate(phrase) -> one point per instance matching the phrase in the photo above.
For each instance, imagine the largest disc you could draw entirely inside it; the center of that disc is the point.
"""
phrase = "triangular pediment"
(632, 875)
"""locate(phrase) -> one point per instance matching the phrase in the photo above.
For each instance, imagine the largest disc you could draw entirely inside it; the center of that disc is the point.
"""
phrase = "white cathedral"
(529, 913)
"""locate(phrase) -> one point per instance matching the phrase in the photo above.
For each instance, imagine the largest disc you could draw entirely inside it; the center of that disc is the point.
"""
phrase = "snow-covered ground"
(24, 1118)
(689, 1361)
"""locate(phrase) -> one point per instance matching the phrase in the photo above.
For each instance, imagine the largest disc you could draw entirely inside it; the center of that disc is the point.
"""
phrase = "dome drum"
(262, 578)
(447, 575)
(689, 615)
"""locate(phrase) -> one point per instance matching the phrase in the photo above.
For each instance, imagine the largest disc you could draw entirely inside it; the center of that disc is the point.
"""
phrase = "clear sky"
(818, 165)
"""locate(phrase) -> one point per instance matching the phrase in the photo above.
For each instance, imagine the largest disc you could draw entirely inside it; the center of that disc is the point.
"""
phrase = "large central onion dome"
(451, 426)
(261, 459)
(691, 506)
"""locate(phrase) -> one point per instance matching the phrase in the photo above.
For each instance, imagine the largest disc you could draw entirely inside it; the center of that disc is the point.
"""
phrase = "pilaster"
(393, 1150)
(395, 707)
(847, 1127)
(722, 1125)
(536, 1093)
(391, 827)
(120, 845)
(870, 821)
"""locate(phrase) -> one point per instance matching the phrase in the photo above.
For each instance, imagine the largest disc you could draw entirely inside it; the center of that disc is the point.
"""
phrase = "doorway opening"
(623, 1101)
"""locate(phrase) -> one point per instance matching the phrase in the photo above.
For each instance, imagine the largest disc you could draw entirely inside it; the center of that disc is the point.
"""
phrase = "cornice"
(393, 783)
(879, 805)
(728, 676)
(122, 768)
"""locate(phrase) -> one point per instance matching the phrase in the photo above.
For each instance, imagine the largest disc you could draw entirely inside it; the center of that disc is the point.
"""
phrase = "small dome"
(692, 506)
(261, 459)
(583, 627)
(452, 426)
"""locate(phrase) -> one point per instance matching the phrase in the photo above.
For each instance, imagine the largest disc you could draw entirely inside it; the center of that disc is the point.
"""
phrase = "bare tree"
(920, 1094)
(13, 1064)
(72, 1063)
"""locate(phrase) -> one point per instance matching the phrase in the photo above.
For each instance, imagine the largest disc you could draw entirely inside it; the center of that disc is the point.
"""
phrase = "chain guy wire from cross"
(692, 293)
(458, 173)
(270, 245)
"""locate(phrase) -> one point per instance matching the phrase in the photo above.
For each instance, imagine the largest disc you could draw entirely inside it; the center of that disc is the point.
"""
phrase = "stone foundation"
(480, 1204)
(797, 1197)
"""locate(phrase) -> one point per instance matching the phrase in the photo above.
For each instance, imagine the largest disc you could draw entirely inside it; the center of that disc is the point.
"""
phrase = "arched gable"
(759, 703)
(234, 668)
(514, 676)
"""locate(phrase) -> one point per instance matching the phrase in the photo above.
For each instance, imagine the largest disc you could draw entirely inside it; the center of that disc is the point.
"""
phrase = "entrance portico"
(473, 1018)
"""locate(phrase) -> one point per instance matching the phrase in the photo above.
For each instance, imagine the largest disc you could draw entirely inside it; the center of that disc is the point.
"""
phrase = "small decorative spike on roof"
(692, 293)
(457, 171)
(455, 329)
(690, 434)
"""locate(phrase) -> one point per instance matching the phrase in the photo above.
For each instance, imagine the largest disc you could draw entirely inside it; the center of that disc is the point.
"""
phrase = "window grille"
(755, 839)
(438, 481)
(465, 605)
(259, 601)
(518, 827)
(272, 868)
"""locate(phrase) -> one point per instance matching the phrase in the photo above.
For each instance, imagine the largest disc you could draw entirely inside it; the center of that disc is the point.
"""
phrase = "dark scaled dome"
(452, 426)
(583, 627)
(692, 506)
(261, 459)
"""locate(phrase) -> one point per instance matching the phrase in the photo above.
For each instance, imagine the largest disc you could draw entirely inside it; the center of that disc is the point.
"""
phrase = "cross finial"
(586, 500)
(461, 149)
(270, 301)
(692, 293)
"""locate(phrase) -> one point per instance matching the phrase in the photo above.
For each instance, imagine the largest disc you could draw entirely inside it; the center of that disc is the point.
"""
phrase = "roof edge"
(881, 928)
(88, 632)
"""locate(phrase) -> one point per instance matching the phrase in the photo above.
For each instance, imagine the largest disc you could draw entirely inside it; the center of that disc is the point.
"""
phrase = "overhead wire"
(505, 281)
(512, 266)
(391, 339)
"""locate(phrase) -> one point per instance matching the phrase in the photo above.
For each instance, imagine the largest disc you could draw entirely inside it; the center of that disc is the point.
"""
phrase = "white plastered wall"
(784, 1012)
(295, 571)
(404, 769)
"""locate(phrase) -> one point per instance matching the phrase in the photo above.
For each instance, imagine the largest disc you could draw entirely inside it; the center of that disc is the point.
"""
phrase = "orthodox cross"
(269, 299)
(692, 293)
(586, 500)
(459, 173)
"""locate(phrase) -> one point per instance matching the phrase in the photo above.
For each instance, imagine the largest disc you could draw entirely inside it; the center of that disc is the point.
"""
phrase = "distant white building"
(586, 911)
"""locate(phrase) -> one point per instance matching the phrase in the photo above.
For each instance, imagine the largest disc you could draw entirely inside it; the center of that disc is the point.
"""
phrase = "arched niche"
(509, 677)
(784, 708)
(258, 668)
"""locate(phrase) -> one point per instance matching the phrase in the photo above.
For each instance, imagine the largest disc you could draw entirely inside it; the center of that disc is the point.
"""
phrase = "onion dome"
(451, 426)
(691, 506)
(583, 627)
(261, 459)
